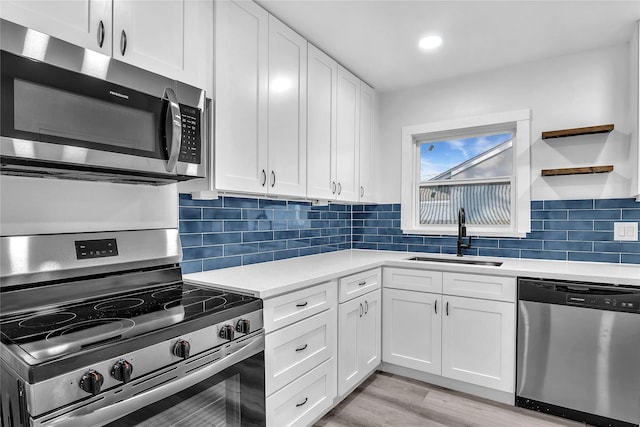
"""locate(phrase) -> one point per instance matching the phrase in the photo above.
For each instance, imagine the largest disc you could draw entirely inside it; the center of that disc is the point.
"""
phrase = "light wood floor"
(391, 400)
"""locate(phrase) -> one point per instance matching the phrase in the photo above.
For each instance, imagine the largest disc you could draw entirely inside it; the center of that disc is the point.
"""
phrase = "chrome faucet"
(462, 232)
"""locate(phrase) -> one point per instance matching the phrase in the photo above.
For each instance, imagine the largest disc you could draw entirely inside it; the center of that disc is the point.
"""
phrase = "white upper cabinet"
(287, 111)
(86, 23)
(367, 132)
(241, 93)
(322, 79)
(634, 47)
(171, 37)
(347, 139)
(261, 104)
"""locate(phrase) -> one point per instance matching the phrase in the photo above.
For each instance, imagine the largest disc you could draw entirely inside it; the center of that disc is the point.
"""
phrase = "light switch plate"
(626, 231)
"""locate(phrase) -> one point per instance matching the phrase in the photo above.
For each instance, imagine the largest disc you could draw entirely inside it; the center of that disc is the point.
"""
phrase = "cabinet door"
(85, 23)
(241, 96)
(348, 130)
(370, 323)
(367, 123)
(478, 342)
(287, 111)
(154, 35)
(349, 341)
(322, 79)
(411, 331)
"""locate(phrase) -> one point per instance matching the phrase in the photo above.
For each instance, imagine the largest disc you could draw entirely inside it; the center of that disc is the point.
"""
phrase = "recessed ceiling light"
(430, 42)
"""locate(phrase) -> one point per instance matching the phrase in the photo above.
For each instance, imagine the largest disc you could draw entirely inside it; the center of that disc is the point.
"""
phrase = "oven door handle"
(240, 351)
(173, 129)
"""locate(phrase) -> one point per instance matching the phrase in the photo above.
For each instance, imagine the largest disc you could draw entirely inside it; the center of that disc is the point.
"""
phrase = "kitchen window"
(480, 164)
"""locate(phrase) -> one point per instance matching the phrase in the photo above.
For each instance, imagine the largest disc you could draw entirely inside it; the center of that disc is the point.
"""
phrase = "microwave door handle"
(173, 127)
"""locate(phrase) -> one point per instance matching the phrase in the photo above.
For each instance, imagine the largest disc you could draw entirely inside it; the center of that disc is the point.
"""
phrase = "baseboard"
(484, 392)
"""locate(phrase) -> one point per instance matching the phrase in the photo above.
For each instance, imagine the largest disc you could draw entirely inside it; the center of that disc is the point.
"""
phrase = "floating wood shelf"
(577, 171)
(577, 131)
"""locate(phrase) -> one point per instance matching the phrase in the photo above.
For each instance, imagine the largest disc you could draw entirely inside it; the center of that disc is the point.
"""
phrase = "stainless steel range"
(99, 329)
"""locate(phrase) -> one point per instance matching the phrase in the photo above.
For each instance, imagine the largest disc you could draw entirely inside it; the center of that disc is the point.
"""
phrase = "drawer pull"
(362, 283)
(302, 403)
(304, 347)
(366, 305)
(302, 305)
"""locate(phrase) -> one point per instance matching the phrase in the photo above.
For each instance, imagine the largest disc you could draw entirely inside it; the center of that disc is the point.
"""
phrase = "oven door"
(55, 119)
(226, 392)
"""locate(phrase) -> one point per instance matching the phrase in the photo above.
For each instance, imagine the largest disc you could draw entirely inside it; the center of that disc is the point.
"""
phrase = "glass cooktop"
(93, 323)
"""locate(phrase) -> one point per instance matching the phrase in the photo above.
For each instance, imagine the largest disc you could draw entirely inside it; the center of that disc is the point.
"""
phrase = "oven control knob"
(91, 382)
(243, 326)
(122, 371)
(182, 349)
(226, 332)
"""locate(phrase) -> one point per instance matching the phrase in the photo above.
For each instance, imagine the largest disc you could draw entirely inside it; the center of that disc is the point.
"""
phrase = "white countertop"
(269, 279)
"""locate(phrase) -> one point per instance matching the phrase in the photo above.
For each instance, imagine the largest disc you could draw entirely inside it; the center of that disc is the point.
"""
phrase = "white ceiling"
(377, 39)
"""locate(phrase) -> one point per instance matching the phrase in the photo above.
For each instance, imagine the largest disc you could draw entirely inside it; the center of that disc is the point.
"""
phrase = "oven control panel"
(86, 249)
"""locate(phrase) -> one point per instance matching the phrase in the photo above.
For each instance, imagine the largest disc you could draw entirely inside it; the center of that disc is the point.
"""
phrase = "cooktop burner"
(47, 320)
(119, 304)
(87, 324)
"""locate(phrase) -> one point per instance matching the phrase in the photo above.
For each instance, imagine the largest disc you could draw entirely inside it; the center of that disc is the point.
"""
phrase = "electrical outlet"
(627, 231)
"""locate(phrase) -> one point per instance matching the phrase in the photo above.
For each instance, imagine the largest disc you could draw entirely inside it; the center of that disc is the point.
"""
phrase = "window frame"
(517, 122)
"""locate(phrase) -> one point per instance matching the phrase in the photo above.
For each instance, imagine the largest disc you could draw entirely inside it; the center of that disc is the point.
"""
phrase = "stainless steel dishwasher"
(579, 351)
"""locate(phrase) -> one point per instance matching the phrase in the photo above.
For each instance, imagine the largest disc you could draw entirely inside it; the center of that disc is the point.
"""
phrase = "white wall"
(41, 206)
(584, 89)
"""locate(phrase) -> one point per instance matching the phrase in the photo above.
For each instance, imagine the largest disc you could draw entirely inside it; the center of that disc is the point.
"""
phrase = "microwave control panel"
(190, 150)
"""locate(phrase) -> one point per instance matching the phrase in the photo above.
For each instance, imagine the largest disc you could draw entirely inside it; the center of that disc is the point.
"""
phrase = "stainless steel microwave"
(71, 113)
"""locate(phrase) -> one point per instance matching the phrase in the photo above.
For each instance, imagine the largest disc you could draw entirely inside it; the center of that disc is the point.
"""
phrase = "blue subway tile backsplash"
(232, 231)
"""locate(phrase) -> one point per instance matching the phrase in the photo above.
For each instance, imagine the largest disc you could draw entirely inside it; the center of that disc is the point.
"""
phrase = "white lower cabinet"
(305, 399)
(412, 329)
(300, 355)
(359, 352)
(296, 349)
(456, 336)
(478, 342)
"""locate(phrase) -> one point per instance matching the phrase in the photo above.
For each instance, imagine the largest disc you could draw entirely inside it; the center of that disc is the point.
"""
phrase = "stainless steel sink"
(457, 261)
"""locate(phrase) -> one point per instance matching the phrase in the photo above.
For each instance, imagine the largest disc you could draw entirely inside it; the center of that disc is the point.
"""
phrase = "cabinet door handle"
(300, 404)
(303, 304)
(333, 187)
(264, 177)
(304, 347)
(361, 309)
(447, 308)
(366, 307)
(361, 191)
(339, 188)
(123, 42)
(273, 179)
(362, 283)
(435, 306)
(100, 34)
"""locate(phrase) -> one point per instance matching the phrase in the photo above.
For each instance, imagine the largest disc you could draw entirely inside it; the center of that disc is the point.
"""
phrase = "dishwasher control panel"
(622, 302)
(599, 296)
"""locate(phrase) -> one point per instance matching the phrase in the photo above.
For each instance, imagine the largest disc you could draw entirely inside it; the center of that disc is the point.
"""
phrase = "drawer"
(412, 280)
(478, 286)
(292, 351)
(290, 308)
(304, 400)
(359, 284)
